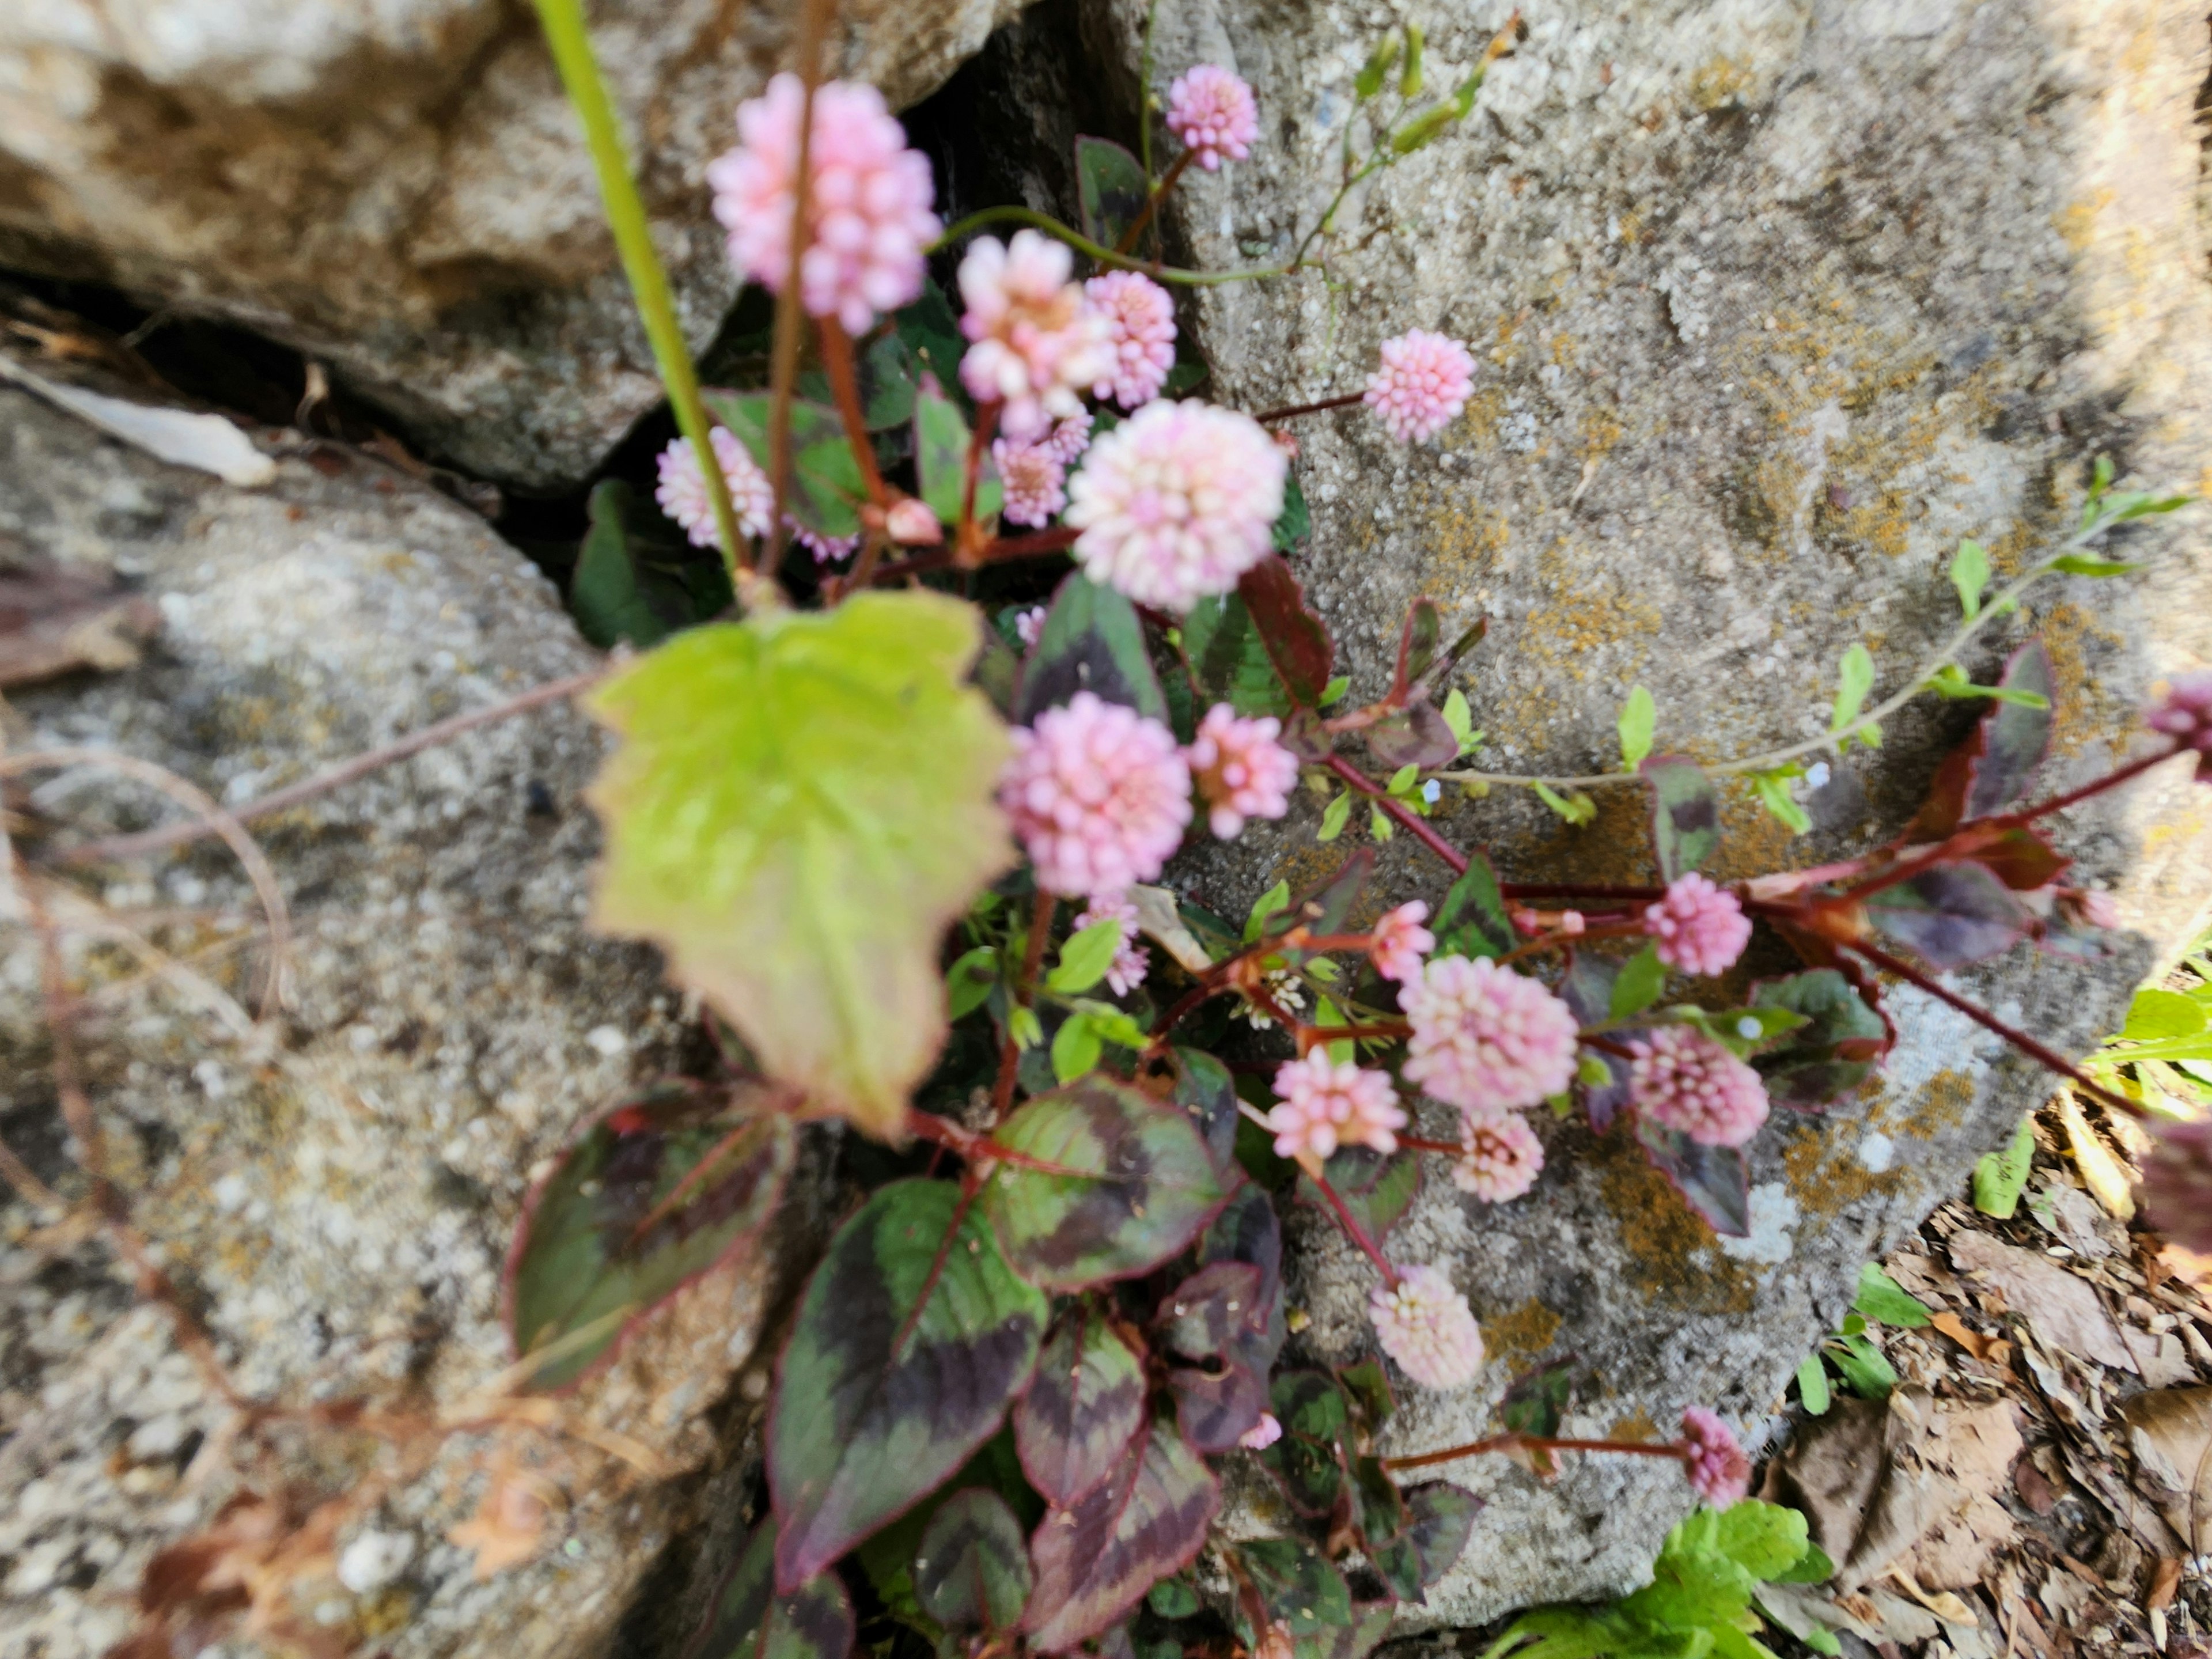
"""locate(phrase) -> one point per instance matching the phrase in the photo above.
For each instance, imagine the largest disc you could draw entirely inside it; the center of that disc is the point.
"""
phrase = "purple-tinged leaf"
(1378, 1189)
(1356, 1637)
(1110, 187)
(972, 1569)
(1588, 992)
(648, 1197)
(1536, 1402)
(1091, 642)
(1086, 1406)
(1424, 683)
(1472, 921)
(750, 1622)
(2014, 737)
(913, 1335)
(1207, 1095)
(1247, 1231)
(1685, 814)
(1228, 664)
(1297, 1587)
(1217, 1321)
(1439, 1518)
(1326, 906)
(828, 488)
(2178, 1184)
(1378, 1509)
(1368, 1387)
(1295, 639)
(1311, 1473)
(1829, 1055)
(1710, 1179)
(1307, 736)
(1950, 915)
(1096, 1559)
(1141, 1185)
(1310, 1403)
(1217, 1405)
(2019, 857)
(1417, 735)
(1209, 1313)
(1417, 648)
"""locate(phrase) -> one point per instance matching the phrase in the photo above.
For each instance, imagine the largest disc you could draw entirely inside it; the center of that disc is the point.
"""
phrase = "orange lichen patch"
(1942, 1105)
(1631, 227)
(1670, 1252)
(1600, 431)
(1636, 1428)
(1753, 841)
(2008, 553)
(1614, 846)
(2078, 223)
(1522, 1334)
(1465, 539)
(1719, 81)
(1825, 1179)
(2081, 702)
(1486, 409)
(1581, 618)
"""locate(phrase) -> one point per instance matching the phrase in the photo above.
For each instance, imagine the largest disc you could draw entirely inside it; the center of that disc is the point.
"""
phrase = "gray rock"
(1772, 302)
(336, 1195)
(401, 190)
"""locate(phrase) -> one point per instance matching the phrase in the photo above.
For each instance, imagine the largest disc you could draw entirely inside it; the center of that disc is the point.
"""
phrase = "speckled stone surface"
(337, 1192)
(1771, 302)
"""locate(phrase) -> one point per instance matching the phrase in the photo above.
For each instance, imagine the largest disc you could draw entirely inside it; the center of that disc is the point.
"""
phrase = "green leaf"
(1025, 1027)
(1813, 1567)
(1076, 1047)
(1882, 1299)
(1764, 1540)
(1111, 191)
(1141, 1185)
(1424, 128)
(800, 804)
(1295, 522)
(1865, 1369)
(931, 332)
(913, 1336)
(972, 1570)
(1685, 814)
(1460, 719)
(2000, 1178)
(1369, 80)
(1440, 1516)
(1332, 820)
(1639, 720)
(1378, 1187)
(968, 980)
(647, 1198)
(1096, 1559)
(1473, 919)
(1970, 574)
(1171, 1598)
(1832, 1052)
(752, 1621)
(1643, 977)
(2086, 564)
(2100, 478)
(1378, 824)
(1576, 809)
(1296, 1584)
(1269, 903)
(603, 593)
(1333, 692)
(1368, 1388)
(1773, 791)
(826, 488)
(1536, 1403)
(1084, 958)
(1403, 781)
(887, 376)
(940, 461)
(1854, 680)
(2157, 1015)
(1409, 83)
(1812, 1385)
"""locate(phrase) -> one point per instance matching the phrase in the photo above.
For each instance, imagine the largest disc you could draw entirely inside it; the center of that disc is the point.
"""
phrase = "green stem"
(1103, 255)
(1144, 94)
(563, 22)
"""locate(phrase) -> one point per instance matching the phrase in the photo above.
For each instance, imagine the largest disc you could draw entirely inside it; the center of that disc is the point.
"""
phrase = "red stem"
(987, 422)
(1295, 410)
(1353, 1230)
(1499, 1443)
(2059, 802)
(1410, 820)
(1129, 242)
(1421, 1144)
(837, 364)
(1989, 1022)
(1516, 890)
(1607, 1046)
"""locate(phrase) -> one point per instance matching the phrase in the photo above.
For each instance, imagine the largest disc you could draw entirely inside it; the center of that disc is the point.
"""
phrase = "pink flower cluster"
(1700, 928)
(868, 200)
(1028, 624)
(1263, 1434)
(1214, 114)
(1322, 1105)
(2185, 714)
(682, 491)
(1485, 1037)
(1071, 436)
(826, 549)
(1176, 503)
(1099, 796)
(1425, 1325)
(1500, 1157)
(1131, 961)
(1718, 1468)
(1422, 385)
(1141, 330)
(1682, 1079)
(1035, 479)
(1036, 343)
(1240, 769)
(1398, 942)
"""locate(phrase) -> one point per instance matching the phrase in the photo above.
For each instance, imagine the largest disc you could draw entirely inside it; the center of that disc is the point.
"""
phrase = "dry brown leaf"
(2165, 1584)
(2107, 1176)
(2170, 1432)
(1965, 1335)
(54, 620)
(2062, 1310)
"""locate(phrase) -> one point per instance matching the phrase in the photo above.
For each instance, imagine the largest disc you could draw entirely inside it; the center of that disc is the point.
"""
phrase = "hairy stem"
(565, 33)
(1503, 1443)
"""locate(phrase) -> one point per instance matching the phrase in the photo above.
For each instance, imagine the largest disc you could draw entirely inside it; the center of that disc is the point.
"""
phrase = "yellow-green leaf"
(801, 803)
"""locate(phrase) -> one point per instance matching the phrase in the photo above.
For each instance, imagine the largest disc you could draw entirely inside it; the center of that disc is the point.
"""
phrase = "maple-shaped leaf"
(800, 804)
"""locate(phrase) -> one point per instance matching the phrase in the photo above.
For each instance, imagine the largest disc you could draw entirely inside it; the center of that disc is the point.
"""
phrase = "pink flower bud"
(1425, 1325)
(1485, 1037)
(1718, 1467)
(1422, 385)
(1214, 114)
(1701, 928)
(911, 523)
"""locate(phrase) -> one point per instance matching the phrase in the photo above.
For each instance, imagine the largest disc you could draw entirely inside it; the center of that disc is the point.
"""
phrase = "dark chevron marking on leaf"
(1472, 921)
(1147, 1185)
(1297, 1586)
(1378, 1189)
(1832, 1053)
(1084, 1410)
(647, 1198)
(1227, 661)
(1310, 1471)
(1217, 1409)
(972, 1571)
(1439, 1518)
(1310, 1402)
(1369, 1623)
(1091, 642)
(1950, 915)
(1710, 1179)
(1588, 990)
(1685, 814)
(1535, 1402)
(1368, 1390)
(1219, 1316)
(1109, 189)
(1207, 1095)
(750, 1622)
(1096, 1559)
(1378, 1512)
(1295, 640)
(1991, 768)
(913, 1335)
(1247, 1230)
(1206, 1315)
